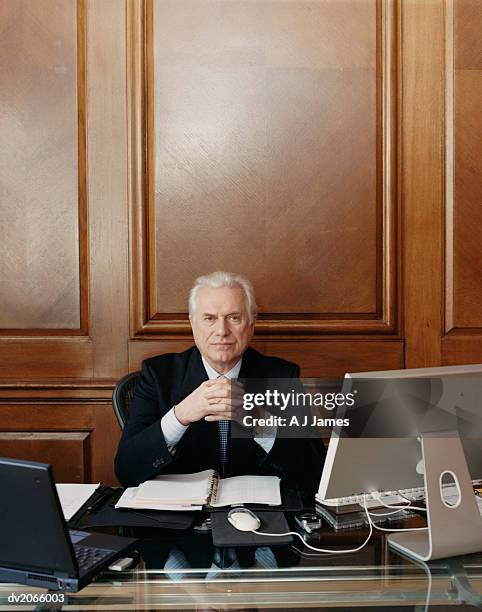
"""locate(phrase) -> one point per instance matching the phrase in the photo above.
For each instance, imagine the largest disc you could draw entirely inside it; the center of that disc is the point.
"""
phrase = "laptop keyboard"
(88, 556)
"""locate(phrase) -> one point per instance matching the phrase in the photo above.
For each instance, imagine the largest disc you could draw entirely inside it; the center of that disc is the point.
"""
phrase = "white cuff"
(267, 440)
(172, 430)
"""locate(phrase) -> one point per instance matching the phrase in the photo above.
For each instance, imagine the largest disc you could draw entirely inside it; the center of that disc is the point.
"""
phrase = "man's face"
(221, 326)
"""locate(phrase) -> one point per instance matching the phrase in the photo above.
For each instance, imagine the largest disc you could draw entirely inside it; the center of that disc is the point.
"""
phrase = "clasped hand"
(213, 400)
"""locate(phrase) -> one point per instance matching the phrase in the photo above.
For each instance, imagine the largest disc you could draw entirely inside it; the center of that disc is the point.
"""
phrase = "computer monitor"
(414, 428)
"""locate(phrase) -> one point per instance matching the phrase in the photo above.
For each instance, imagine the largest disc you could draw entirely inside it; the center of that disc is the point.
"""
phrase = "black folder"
(99, 511)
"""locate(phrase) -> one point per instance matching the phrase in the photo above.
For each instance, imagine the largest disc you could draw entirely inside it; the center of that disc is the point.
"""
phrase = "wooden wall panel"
(107, 186)
(467, 154)
(64, 243)
(422, 178)
(42, 166)
(261, 161)
(44, 293)
(76, 35)
(80, 436)
(263, 139)
(441, 183)
(45, 358)
(68, 453)
(316, 358)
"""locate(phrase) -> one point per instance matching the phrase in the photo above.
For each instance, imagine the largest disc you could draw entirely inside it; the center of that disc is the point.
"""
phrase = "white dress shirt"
(173, 430)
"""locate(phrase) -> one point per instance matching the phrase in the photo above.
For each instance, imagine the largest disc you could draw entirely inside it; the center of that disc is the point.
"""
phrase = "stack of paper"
(170, 492)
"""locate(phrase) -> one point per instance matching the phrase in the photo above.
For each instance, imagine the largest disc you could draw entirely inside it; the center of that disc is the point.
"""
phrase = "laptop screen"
(33, 533)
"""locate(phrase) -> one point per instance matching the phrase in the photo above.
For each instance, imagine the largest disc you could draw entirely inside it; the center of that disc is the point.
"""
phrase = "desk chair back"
(122, 397)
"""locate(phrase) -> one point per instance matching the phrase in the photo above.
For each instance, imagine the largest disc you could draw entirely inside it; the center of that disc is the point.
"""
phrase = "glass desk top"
(183, 570)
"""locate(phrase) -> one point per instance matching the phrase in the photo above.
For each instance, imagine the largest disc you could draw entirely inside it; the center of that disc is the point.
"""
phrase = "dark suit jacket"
(165, 381)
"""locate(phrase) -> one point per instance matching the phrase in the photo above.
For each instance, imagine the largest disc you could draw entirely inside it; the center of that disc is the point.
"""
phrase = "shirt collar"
(212, 374)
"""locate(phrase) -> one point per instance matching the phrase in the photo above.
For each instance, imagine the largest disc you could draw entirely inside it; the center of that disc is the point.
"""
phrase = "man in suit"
(183, 403)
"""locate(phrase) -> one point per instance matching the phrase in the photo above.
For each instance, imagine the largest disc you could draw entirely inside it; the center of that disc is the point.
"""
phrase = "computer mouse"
(243, 519)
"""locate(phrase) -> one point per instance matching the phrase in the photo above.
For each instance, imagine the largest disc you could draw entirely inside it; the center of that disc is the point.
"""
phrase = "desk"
(181, 571)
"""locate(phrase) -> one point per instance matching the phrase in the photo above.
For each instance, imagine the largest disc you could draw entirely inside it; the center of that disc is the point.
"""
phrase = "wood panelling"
(422, 178)
(336, 357)
(442, 144)
(107, 186)
(44, 358)
(44, 250)
(271, 144)
(317, 358)
(466, 291)
(461, 348)
(55, 389)
(254, 132)
(42, 166)
(68, 453)
(329, 150)
(91, 35)
(64, 228)
(467, 25)
(79, 432)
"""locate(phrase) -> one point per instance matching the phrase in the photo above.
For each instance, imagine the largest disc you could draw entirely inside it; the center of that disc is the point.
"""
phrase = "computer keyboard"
(391, 498)
(87, 556)
(388, 497)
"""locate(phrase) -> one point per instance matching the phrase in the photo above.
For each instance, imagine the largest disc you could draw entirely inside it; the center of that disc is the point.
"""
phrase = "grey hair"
(217, 280)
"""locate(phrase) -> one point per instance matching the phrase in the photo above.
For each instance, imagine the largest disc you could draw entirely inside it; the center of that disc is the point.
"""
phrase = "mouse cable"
(379, 497)
(371, 526)
(322, 550)
(378, 528)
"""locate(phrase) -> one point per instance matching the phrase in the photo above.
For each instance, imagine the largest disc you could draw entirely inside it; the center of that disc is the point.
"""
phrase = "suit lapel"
(202, 434)
(240, 449)
(249, 367)
(194, 375)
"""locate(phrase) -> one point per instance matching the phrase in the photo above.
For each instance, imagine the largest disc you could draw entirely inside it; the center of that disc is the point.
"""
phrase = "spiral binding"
(213, 486)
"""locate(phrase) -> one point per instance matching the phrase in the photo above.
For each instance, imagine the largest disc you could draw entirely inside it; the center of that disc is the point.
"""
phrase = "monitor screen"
(380, 450)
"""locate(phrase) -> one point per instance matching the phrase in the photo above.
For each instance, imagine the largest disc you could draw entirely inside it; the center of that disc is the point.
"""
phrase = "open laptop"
(36, 548)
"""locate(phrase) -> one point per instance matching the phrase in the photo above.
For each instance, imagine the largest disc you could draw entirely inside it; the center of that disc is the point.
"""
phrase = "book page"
(248, 490)
(176, 489)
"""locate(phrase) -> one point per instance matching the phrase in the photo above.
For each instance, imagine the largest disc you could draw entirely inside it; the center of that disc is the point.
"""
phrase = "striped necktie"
(223, 431)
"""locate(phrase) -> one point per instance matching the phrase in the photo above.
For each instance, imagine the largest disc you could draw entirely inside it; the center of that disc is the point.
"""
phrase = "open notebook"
(192, 491)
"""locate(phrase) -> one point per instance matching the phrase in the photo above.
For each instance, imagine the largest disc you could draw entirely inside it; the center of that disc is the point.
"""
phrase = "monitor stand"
(452, 530)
